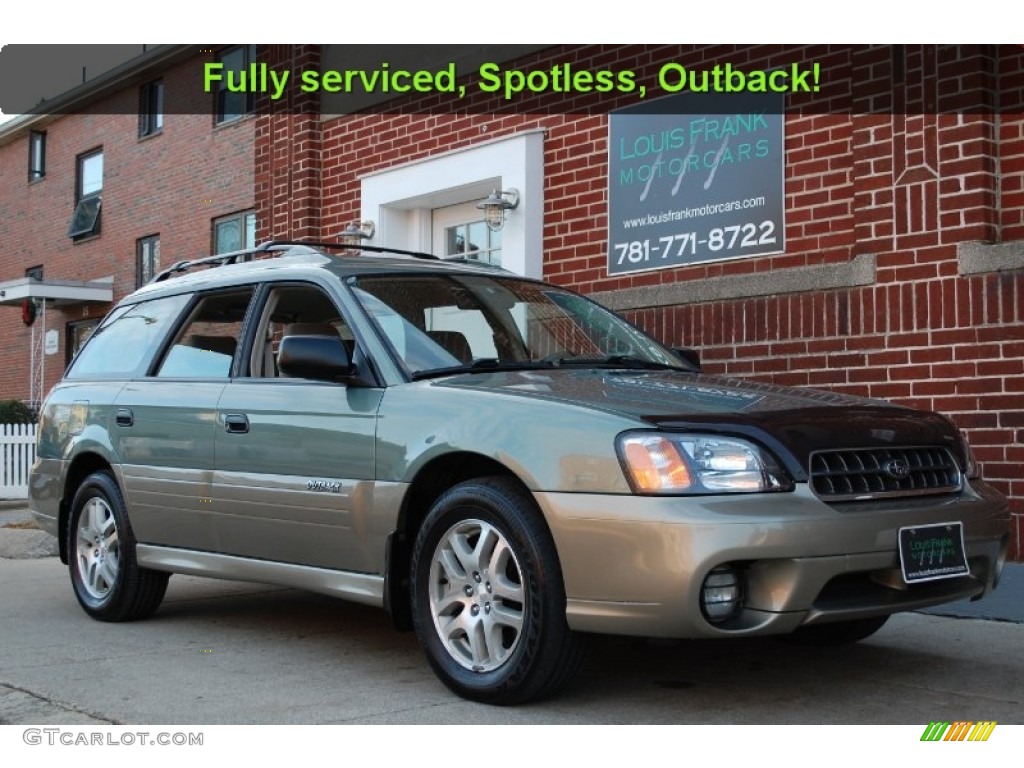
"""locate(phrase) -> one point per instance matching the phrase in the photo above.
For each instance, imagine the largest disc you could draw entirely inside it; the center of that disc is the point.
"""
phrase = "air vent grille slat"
(874, 473)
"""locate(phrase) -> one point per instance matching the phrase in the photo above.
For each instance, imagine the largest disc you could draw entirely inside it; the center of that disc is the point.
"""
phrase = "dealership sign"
(695, 178)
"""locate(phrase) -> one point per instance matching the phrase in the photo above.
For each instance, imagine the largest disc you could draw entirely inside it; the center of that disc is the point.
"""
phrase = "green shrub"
(16, 412)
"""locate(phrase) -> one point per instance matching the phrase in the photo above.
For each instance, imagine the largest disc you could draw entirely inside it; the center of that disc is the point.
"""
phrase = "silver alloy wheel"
(477, 595)
(97, 551)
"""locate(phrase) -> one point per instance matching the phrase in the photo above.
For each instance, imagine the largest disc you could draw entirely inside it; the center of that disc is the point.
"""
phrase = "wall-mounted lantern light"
(495, 206)
(356, 232)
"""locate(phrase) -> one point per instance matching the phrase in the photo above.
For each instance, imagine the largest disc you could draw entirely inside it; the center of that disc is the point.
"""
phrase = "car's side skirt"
(365, 588)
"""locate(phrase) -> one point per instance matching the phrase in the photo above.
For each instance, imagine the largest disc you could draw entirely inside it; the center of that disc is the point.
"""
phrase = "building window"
(235, 232)
(460, 233)
(231, 106)
(88, 195)
(147, 259)
(77, 334)
(36, 155)
(151, 108)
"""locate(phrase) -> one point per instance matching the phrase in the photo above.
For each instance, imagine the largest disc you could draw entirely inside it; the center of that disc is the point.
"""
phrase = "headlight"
(699, 464)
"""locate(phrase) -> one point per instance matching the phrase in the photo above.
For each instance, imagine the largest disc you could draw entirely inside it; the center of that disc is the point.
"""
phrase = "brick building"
(95, 193)
(898, 265)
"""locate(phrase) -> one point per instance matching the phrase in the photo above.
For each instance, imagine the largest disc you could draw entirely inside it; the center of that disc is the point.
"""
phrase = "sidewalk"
(22, 543)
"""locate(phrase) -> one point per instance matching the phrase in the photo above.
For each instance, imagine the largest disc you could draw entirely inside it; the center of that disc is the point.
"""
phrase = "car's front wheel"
(108, 583)
(487, 596)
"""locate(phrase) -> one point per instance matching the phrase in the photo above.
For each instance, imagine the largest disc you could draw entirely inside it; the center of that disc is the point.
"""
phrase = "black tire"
(493, 622)
(836, 633)
(108, 583)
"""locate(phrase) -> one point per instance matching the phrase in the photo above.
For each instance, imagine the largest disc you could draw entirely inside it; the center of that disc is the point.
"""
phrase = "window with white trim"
(460, 233)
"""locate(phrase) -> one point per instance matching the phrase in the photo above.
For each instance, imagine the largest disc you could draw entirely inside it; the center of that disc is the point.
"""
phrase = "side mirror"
(322, 358)
(688, 355)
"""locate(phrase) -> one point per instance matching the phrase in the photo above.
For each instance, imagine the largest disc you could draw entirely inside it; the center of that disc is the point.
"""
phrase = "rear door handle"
(125, 417)
(237, 423)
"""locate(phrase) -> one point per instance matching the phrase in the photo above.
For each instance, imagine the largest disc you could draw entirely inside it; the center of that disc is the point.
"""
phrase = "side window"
(206, 344)
(294, 310)
(127, 339)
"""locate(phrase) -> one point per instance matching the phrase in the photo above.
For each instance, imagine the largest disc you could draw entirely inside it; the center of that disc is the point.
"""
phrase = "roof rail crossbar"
(249, 254)
(218, 260)
(349, 247)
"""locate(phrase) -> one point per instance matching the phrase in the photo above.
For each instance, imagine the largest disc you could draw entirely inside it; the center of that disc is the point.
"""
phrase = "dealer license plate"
(930, 552)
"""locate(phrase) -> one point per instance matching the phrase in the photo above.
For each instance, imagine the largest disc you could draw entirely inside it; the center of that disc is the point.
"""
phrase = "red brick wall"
(288, 153)
(905, 187)
(172, 184)
(1011, 154)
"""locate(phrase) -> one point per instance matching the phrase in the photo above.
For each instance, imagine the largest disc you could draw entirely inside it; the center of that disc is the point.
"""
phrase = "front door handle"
(124, 417)
(237, 423)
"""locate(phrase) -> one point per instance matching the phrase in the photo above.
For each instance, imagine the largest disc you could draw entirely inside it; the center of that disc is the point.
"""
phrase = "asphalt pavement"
(232, 653)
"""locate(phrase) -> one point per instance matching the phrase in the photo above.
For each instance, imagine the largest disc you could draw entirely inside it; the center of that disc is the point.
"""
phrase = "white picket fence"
(17, 452)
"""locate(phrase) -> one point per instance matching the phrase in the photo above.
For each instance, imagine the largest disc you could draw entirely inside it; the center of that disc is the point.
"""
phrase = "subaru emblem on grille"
(897, 468)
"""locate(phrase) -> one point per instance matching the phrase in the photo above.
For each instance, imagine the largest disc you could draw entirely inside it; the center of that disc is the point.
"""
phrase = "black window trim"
(79, 161)
(361, 358)
(146, 361)
(248, 58)
(241, 215)
(151, 371)
(36, 161)
(69, 337)
(151, 108)
(84, 201)
(155, 237)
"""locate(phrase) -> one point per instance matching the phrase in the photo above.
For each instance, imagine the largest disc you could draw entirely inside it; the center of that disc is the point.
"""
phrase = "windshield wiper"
(483, 365)
(619, 361)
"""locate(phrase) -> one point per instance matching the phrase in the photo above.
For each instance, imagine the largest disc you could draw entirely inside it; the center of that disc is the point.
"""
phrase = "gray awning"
(58, 292)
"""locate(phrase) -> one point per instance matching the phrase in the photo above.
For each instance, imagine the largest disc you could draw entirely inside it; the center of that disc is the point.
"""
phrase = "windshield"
(441, 322)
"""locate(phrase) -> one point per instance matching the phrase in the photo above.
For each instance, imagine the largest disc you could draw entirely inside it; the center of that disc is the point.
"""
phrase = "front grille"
(874, 473)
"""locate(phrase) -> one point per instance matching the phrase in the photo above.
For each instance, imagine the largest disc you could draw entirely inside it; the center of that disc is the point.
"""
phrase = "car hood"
(793, 422)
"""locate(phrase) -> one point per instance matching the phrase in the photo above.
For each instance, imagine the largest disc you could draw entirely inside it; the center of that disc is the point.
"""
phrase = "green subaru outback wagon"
(501, 464)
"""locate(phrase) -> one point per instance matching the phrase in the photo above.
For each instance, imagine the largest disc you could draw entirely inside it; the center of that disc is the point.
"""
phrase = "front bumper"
(634, 565)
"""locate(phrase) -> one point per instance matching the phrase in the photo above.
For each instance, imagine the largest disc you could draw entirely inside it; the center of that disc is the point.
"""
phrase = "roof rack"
(350, 247)
(248, 254)
(220, 259)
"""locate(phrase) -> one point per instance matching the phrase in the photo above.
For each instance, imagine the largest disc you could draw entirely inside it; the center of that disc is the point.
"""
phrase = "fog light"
(721, 596)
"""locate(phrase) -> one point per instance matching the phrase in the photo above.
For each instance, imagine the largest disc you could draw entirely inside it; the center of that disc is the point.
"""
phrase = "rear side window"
(123, 345)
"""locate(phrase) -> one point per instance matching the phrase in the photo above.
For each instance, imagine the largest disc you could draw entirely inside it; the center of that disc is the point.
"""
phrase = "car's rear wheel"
(488, 600)
(108, 582)
(837, 632)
